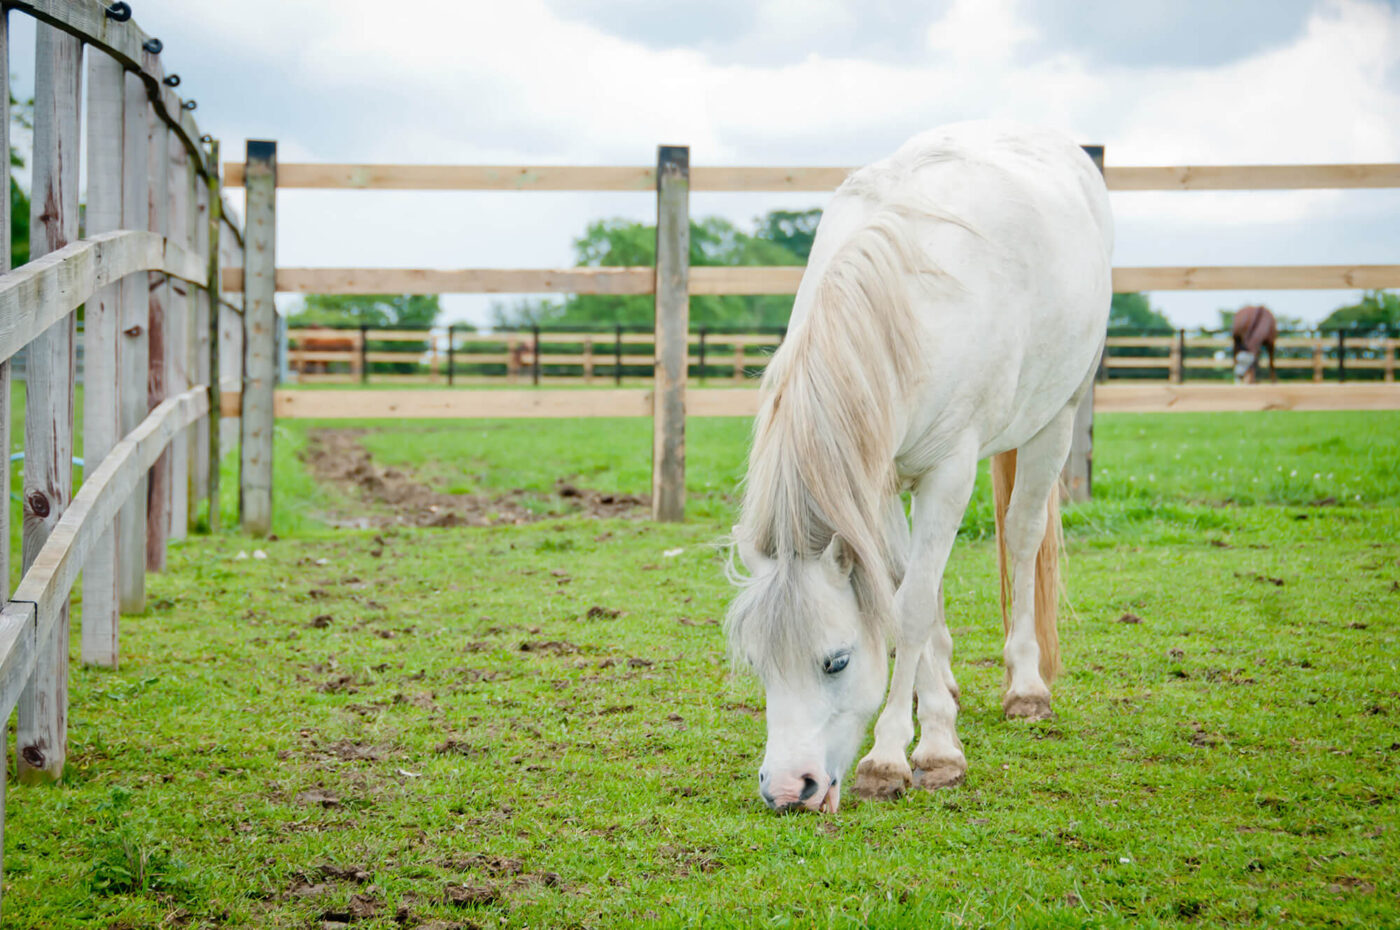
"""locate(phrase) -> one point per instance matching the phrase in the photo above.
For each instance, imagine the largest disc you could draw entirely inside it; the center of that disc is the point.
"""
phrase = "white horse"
(954, 308)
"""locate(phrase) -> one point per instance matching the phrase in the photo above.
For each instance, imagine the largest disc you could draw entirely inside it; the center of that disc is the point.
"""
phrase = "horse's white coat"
(954, 307)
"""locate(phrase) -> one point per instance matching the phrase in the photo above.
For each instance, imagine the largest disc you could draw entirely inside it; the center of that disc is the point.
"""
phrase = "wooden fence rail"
(148, 276)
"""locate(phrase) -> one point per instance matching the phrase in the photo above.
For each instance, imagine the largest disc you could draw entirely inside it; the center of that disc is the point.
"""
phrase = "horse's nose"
(809, 788)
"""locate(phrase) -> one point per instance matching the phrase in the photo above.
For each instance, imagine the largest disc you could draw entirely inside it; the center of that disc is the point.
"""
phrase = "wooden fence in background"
(672, 280)
(458, 356)
(147, 269)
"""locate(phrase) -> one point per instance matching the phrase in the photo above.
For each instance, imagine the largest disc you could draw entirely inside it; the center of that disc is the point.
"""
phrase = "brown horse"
(1254, 329)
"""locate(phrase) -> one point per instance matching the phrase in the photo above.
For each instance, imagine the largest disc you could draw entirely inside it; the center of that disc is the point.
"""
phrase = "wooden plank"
(200, 342)
(453, 404)
(214, 202)
(133, 356)
(672, 320)
(101, 418)
(158, 354)
(1157, 397)
(124, 41)
(36, 611)
(178, 315)
(1251, 177)
(1256, 277)
(1141, 342)
(50, 376)
(715, 280)
(1139, 361)
(813, 178)
(48, 289)
(5, 407)
(454, 281)
(259, 337)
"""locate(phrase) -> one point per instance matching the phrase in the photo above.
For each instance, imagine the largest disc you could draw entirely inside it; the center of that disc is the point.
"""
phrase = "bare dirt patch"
(396, 497)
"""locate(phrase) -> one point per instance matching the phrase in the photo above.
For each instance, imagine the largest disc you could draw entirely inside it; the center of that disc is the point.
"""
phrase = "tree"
(794, 231)
(1132, 310)
(713, 241)
(1374, 310)
(381, 311)
(20, 117)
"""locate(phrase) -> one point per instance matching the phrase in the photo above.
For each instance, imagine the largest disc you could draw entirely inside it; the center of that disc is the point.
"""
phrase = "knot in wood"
(38, 504)
(33, 756)
(133, 331)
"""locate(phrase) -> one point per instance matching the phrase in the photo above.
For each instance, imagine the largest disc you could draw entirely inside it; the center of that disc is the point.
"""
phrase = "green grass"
(1228, 760)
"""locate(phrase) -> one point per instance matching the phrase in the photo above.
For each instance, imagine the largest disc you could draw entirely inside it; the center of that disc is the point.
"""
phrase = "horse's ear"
(838, 560)
(748, 552)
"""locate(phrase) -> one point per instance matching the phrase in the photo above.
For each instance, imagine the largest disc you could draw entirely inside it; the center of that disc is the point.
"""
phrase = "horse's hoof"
(1026, 707)
(940, 773)
(880, 781)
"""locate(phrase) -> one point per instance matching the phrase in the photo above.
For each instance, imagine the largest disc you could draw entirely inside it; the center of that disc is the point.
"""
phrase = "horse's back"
(1014, 223)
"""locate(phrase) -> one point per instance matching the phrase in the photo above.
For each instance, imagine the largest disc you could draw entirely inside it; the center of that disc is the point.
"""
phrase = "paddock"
(392, 656)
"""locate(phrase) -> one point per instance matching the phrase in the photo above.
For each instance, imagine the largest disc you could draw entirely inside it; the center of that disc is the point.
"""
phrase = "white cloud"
(483, 81)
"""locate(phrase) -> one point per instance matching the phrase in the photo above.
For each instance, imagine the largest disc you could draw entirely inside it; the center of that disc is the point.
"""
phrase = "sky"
(791, 82)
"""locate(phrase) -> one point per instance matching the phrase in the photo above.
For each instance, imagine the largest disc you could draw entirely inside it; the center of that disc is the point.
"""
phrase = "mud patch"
(396, 497)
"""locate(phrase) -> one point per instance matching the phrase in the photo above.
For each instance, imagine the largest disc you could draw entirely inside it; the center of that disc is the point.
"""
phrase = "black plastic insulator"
(119, 11)
(154, 46)
(188, 105)
(171, 80)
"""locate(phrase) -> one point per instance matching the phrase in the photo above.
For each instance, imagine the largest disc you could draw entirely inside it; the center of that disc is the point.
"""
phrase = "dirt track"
(395, 497)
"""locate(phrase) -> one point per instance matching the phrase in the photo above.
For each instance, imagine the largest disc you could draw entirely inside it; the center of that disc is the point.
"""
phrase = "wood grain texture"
(48, 433)
(102, 390)
(25, 627)
(1159, 397)
(713, 280)
(259, 336)
(133, 356)
(158, 354)
(178, 318)
(672, 320)
(807, 178)
(213, 205)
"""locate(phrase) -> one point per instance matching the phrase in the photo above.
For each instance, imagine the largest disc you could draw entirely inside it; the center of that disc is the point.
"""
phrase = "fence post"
(199, 345)
(451, 353)
(1181, 356)
(672, 332)
(177, 328)
(259, 338)
(158, 373)
(213, 296)
(133, 356)
(1077, 477)
(701, 368)
(4, 383)
(364, 353)
(617, 354)
(106, 92)
(48, 425)
(1341, 355)
(535, 356)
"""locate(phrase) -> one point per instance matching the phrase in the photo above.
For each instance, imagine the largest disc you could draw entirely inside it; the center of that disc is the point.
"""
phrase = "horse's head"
(797, 623)
(1244, 361)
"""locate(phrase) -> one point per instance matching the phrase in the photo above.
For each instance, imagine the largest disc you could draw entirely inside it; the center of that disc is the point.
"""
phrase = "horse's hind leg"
(1038, 466)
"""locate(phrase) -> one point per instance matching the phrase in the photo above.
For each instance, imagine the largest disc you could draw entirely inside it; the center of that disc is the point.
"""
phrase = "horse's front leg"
(940, 498)
(938, 759)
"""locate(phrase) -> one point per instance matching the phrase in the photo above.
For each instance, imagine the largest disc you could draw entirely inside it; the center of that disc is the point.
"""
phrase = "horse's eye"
(834, 664)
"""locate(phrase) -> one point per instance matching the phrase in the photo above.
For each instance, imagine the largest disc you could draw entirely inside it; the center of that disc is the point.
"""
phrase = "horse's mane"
(822, 461)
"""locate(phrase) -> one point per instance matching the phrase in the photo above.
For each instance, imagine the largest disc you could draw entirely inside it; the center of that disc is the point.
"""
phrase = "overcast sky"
(792, 82)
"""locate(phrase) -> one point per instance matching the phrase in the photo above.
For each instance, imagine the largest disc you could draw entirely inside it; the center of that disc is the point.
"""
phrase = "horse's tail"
(1047, 565)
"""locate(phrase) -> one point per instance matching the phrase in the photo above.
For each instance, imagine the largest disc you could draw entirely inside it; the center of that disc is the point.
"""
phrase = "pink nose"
(787, 792)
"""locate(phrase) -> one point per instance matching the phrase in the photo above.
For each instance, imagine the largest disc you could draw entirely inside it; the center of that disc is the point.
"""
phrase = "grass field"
(536, 725)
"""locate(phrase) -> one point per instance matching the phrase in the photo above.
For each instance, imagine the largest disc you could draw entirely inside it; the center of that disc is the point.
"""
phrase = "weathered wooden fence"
(671, 280)
(146, 270)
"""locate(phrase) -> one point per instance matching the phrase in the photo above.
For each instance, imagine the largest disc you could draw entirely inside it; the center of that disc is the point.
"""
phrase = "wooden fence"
(456, 356)
(672, 281)
(146, 269)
